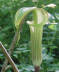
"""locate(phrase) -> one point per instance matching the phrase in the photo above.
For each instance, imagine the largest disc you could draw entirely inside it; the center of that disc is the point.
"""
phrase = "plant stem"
(10, 51)
(37, 69)
(9, 58)
(36, 44)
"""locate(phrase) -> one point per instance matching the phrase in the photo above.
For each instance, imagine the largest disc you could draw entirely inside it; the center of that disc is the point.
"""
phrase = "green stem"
(36, 44)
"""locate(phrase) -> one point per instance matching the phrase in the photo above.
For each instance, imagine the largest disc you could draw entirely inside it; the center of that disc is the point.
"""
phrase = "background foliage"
(21, 54)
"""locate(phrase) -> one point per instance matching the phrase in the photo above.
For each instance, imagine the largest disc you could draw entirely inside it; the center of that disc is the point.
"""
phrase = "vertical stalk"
(36, 31)
(36, 45)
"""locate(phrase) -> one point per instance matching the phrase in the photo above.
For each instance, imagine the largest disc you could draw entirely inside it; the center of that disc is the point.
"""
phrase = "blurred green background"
(21, 54)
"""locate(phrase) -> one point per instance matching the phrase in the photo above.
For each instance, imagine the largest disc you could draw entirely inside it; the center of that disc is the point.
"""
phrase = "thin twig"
(8, 67)
(9, 58)
(10, 51)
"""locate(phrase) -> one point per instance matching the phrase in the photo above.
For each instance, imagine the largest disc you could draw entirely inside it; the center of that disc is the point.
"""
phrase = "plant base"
(37, 69)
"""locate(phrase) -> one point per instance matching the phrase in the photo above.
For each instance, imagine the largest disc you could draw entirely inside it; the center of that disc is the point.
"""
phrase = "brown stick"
(10, 51)
(9, 58)
(37, 69)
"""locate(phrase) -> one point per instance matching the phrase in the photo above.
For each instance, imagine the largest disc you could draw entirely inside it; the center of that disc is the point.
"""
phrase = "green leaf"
(54, 27)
